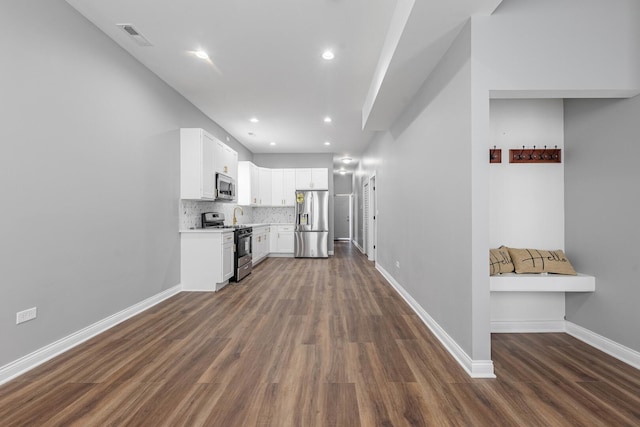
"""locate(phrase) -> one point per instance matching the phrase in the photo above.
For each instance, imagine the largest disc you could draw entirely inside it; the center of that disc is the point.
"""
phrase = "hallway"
(313, 342)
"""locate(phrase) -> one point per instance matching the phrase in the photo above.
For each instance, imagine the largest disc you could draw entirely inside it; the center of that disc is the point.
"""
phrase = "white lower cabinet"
(260, 243)
(206, 261)
(282, 239)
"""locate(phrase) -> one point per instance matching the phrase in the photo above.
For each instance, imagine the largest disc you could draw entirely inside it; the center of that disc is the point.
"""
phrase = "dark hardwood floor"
(311, 342)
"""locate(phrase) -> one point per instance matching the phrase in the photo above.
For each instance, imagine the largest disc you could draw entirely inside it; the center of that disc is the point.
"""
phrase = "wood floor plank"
(308, 342)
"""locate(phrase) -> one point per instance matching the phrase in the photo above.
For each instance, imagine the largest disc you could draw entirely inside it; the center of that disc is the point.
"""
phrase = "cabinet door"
(233, 160)
(267, 239)
(277, 195)
(303, 179)
(320, 178)
(244, 184)
(218, 156)
(265, 187)
(285, 241)
(197, 175)
(273, 239)
(227, 259)
(255, 184)
(289, 187)
(208, 172)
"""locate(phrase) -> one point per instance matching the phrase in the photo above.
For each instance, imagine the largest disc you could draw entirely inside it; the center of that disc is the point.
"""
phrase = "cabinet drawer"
(227, 237)
(284, 228)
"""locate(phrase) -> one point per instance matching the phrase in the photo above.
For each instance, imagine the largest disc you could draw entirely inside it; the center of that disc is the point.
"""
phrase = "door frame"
(372, 238)
(349, 213)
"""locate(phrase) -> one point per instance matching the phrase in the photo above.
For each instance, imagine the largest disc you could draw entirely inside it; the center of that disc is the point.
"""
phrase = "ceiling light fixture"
(342, 171)
(328, 55)
(201, 54)
(272, 143)
(327, 143)
(327, 119)
(254, 120)
(346, 160)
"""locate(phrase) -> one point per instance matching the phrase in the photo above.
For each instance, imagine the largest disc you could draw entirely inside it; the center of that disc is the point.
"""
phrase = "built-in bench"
(533, 302)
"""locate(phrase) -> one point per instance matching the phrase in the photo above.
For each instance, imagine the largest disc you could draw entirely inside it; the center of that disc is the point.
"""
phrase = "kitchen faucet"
(235, 221)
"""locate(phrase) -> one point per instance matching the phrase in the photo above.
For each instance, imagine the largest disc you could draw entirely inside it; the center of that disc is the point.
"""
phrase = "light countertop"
(228, 230)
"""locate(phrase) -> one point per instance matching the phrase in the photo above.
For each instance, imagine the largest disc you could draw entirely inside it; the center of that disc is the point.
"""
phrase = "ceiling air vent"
(135, 35)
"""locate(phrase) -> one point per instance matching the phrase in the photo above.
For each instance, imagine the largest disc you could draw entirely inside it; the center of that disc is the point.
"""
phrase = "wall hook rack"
(535, 155)
(495, 155)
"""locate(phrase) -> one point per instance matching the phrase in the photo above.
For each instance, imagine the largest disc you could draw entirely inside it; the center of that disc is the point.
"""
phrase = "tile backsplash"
(273, 215)
(191, 211)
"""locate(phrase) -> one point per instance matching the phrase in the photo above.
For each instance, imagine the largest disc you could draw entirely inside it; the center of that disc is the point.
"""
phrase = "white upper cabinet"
(283, 187)
(289, 186)
(197, 174)
(248, 183)
(225, 160)
(312, 179)
(259, 186)
(264, 187)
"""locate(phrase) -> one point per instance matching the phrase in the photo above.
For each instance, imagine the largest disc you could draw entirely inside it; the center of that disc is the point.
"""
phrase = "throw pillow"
(500, 261)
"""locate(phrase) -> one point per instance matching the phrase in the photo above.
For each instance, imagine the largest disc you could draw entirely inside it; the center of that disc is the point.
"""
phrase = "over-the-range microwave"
(225, 187)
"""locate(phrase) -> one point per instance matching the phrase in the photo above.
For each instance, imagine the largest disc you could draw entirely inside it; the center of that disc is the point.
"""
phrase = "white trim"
(330, 252)
(357, 246)
(474, 368)
(612, 348)
(512, 282)
(30, 361)
(527, 326)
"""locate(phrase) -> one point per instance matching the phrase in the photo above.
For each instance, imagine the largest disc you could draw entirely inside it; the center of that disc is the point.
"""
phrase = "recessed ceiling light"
(342, 171)
(328, 55)
(347, 160)
(254, 120)
(201, 54)
(327, 143)
(272, 143)
(327, 119)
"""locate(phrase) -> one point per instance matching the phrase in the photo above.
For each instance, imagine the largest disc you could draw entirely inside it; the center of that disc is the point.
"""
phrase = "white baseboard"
(474, 368)
(357, 246)
(612, 348)
(529, 326)
(30, 361)
(330, 253)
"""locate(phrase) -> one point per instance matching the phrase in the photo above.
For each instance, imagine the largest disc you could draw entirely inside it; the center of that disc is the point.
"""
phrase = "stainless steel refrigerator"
(312, 224)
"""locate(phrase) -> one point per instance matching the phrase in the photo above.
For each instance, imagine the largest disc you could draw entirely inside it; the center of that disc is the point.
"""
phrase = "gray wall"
(423, 184)
(343, 183)
(276, 161)
(602, 207)
(89, 167)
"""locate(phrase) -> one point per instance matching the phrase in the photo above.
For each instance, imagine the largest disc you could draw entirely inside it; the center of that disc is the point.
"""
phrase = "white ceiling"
(265, 61)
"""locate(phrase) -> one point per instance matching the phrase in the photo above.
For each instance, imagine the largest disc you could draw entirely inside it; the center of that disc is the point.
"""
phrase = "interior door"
(342, 217)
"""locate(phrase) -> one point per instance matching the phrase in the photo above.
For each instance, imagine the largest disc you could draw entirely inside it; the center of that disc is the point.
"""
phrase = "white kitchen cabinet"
(260, 243)
(227, 257)
(225, 160)
(273, 239)
(312, 179)
(248, 184)
(197, 172)
(206, 261)
(284, 238)
(283, 187)
(264, 187)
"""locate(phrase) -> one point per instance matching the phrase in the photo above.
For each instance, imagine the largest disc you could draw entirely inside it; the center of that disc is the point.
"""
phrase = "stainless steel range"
(242, 254)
